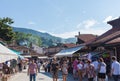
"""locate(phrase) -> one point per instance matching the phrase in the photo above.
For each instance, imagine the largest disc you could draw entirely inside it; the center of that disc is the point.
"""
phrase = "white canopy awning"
(43, 57)
(27, 56)
(69, 51)
(6, 54)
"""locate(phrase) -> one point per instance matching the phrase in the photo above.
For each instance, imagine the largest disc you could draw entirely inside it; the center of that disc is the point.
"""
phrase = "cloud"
(93, 31)
(66, 34)
(107, 19)
(82, 31)
(75, 32)
(43, 31)
(62, 35)
(31, 23)
(87, 24)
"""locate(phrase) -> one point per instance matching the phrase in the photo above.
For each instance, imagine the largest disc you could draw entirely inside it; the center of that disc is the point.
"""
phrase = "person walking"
(95, 63)
(75, 75)
(115, 69)
(64, 70)
(101, 70)
(90, 71)
(39, 66)
(80, 67)
(32, 70)
(54, 70)
(48, 66)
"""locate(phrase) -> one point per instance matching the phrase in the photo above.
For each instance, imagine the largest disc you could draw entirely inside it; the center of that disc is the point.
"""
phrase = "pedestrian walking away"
(101, 70)
(115, 69)
(39, 66)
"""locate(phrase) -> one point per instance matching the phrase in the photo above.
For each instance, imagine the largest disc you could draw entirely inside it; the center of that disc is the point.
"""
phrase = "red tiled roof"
(86, 37)
(18, 47)
(117, 40)
(69, 45)
(108, 36)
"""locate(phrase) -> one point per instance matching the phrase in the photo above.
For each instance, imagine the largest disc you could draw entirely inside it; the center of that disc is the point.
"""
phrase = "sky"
(62, 18)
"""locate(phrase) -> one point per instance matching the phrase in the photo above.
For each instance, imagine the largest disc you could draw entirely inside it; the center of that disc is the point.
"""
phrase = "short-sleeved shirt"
(75, 65)
(95, 63)
(54, 66)
(116, 68)
(102, 67)
(90, 71)
(32, 68)
(39, 64)
(80, 66)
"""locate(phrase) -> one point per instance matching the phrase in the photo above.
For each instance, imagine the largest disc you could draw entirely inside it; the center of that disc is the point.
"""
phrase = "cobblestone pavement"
(42, 76)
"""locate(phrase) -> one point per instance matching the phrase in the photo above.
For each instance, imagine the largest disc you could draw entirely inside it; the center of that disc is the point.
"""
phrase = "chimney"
(78, 33)
(115, 23)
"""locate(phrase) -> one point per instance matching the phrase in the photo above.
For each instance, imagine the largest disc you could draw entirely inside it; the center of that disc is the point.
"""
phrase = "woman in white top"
(64, 70)
(80, 70)
(101, 70)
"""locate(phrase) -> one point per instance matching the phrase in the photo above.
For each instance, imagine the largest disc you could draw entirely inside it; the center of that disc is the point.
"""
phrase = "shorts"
(74, 71)
(102, 75)
(55, 74)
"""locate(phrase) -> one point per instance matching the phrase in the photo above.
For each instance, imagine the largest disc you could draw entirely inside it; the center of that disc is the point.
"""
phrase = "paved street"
(40, 77)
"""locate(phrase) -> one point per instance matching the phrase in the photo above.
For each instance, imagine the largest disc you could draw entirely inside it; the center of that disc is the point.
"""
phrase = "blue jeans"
(33, 76)
(115, 77)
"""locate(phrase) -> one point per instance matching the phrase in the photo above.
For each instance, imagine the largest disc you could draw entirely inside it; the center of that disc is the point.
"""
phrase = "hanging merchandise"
(105, 55)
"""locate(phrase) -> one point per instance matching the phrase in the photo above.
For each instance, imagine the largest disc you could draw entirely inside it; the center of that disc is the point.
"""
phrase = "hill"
(47, 39)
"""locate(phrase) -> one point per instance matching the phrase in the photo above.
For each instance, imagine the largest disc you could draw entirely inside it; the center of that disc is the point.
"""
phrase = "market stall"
(68, 52)
(6, 54)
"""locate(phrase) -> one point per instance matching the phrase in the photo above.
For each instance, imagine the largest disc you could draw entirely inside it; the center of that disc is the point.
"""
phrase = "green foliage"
(29, 38)
(6, 32)
(47, 39)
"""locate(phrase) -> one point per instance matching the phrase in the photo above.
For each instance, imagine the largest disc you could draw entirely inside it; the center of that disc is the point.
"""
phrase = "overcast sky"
(63, 18)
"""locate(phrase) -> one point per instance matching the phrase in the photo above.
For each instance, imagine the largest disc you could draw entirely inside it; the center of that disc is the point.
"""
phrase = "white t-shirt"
(79, 66)
(95, 63)
(102, 68)
(8, 63)
(85, 65)
(39, 64)
(116, 68)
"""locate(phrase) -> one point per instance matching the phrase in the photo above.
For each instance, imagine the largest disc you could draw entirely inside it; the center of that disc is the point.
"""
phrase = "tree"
(6, 32)
(29, 38)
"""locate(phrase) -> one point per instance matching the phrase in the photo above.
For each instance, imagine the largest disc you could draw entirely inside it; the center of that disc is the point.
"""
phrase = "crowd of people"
(11, 67)
(92, 70)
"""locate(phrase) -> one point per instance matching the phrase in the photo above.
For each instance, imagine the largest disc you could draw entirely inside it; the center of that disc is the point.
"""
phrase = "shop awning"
(68, 52)
(27, 56)
(43, 57)
(18, 53)
(6, 54)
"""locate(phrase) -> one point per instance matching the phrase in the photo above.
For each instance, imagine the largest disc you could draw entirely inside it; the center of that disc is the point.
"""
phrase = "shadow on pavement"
(69, 78)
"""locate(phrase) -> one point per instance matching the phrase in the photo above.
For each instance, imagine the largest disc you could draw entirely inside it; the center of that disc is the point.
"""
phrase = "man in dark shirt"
(54, 70)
